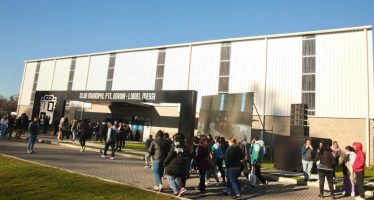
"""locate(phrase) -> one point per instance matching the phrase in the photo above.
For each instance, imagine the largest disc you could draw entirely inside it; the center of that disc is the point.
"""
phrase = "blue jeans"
(233, 174)
(307, 168)
(175, 183)
(158, 171)
(3, 129)
(32, 140)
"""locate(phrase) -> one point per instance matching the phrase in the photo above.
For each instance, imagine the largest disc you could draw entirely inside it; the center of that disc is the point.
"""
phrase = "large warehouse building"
(329, 71)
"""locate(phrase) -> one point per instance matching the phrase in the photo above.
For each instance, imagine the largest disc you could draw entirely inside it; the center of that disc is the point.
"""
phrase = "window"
(110, 72)
(36, 77)
(160, 69)
(309, 73)
(71, 74)
(224, 68)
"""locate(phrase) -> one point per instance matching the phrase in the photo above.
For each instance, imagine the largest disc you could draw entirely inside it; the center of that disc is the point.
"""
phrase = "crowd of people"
(351, 160)
(10, 123)
(210, 157)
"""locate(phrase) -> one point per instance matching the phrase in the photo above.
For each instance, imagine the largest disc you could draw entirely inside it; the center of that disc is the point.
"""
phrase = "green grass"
(23, 180)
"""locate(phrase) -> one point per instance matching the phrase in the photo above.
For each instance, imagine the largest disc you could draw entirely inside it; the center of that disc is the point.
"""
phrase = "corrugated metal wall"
(98, 72)
(176, 68)
(135, 70)
(284, 65)
(341, 75)
(46, 75)
(61, 76)
(205, 60)
(25, 94)
(80, 73)
(371, 73)
(247, 69)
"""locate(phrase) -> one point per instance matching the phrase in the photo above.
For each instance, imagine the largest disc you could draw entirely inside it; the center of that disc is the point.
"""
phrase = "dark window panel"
(73, 63)
(309, 47)
(108, 85)
(158, 84)
(309, 83)
(309, 37)
(309, 64)
(70, 85)
(112, 61)
(223, 85)
(34, 86)
(309, 99)
(38, 66)
(110, 73)
(310, 112)
(32, 96)
(224, 69)
(161, 57)
(71, 76)
(36, 77)
(160, 71)
(225, 52)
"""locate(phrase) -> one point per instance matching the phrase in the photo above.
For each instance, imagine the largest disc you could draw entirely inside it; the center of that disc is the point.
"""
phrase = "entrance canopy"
(54, 102)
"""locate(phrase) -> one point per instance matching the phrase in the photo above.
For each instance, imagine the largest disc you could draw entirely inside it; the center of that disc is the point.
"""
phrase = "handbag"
(252, 178)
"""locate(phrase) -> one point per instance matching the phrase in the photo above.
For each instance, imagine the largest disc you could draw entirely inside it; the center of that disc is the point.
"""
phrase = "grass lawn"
(23, 180)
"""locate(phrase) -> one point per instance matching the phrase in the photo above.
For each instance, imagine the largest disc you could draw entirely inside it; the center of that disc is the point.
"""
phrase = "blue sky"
(47, 28)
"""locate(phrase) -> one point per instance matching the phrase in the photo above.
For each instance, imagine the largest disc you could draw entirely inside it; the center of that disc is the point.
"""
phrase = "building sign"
(118, 96)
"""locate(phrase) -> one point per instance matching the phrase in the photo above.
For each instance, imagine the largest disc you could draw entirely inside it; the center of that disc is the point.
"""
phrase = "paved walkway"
(131, 171)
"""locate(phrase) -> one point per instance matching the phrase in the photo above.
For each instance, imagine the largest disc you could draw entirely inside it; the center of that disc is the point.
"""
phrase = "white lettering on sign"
(131, 96)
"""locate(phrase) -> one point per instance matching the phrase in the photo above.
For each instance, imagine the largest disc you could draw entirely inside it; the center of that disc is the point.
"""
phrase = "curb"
(90, 148)
(302, 182)
(103, 179)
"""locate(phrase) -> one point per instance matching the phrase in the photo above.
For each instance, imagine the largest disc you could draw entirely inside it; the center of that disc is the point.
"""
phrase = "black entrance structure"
(186, 98)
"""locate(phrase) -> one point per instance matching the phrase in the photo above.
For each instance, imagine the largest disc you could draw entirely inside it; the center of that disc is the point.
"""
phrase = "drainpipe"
(367, 120)
(264, 107)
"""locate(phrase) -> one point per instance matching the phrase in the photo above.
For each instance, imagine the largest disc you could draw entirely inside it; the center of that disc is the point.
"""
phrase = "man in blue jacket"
(34, 130)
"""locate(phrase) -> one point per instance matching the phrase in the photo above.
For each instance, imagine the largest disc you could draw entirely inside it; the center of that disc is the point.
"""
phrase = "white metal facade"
(271, 67)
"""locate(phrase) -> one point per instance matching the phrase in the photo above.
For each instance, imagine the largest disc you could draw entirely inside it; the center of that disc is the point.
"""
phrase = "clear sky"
(31, 29)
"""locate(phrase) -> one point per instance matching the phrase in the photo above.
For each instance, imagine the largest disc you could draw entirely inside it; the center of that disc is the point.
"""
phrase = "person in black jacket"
(325, 169)
(34, 131)
(176, 164)
(158, 152)
(234, 156)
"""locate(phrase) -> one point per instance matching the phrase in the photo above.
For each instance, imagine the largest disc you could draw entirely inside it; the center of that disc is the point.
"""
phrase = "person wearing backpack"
(218, 154)
(176, 164)
(257, 157)
(307, 155)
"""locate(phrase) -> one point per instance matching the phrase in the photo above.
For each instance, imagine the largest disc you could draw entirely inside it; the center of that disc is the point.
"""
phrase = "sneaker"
(112, 158)
(155, 187)
(353, 194)
(160, 188)
(32, 151)
(320, 196)
(181, 191)
(103, 156)
(84, 148)
(28, 151)
(236, 196)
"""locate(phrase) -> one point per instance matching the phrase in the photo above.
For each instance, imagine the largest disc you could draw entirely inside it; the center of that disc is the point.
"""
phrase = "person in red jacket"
(359, 168)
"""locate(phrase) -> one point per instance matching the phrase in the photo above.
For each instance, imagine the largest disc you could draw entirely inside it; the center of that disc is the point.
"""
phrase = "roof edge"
(367, 27)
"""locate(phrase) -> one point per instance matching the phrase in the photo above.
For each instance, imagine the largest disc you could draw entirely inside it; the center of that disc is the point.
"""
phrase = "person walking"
(234, 156)
(147, 157)
(359, 169)
(202, 162)
(3, 127)
(218, 154)
(257, 157)
(349, 175)
(157, 151)
(74, 128)
(245, 147)
(103, 129)
(110, 140)
(307, 155)
(176, 164)
(120, 134)
(34, 131)
(336, 153)
(84, 126)
(325, 169)
(60, 129)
